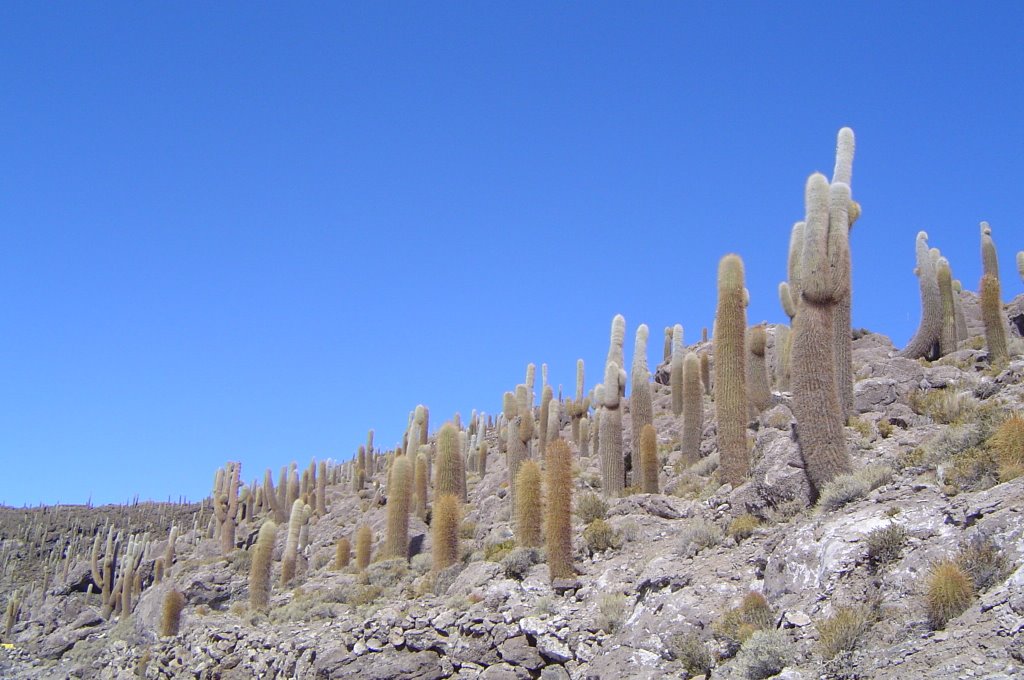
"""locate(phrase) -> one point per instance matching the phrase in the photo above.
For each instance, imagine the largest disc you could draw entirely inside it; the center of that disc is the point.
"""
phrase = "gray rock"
(779, 475)
(385, 666)
(873, 394)
(517, 651)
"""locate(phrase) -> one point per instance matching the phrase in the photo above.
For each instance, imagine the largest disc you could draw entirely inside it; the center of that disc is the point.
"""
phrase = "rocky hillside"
(911, 566)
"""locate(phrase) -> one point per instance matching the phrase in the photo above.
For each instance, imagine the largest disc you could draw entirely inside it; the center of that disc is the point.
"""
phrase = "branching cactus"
(758, 393)
(259, 569)
(649, 457)
(558, 527)
(528, 505)
(225, 505)
(730, 371)
(824, 275)
(640, 400)
(926, 339)
(693, 410)
(948, 335)
(612, 465)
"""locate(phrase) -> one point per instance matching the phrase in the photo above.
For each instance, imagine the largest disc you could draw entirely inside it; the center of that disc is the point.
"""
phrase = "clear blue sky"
(254, 231)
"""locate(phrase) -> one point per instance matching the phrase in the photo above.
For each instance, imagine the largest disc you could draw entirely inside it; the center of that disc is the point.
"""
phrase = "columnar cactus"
(170, 613)
(399, 497)
(989, 261)
(842, 332)
(364, 547)
(103, 576)
(300, 513)
(321, 490)
(612, 466)
(554, 420)
(225, 505)
(948, 336)
(1020, 264)
(419, 497)
(578, 407)
(558, 527)
(992, 316)
(640, 400)
(675, 379)
(824, 274)
(667, 353)
(482, 458)
(926, 339)
(547, 394)
(448, 478)
(259, 569)
(649, 457)
(783, 348)
(693, 410)
(958, 309)
(730, 372)
(445, 531)
(528, 505)
(342, 554)
(759, 394)
(705, 372)
(618, 338)
(585, 438)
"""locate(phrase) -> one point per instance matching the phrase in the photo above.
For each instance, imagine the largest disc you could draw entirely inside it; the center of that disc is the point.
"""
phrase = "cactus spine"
(926, 339)
(259, 570)
(758, 393)
(528, 505)
(816, 402)
(693, 410)
(559, 506)
(730, 390)
(399, 496)
(640, 400)
(445, 547)
(649, 457)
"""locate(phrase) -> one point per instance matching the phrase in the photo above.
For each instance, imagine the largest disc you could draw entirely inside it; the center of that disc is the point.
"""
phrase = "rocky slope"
(665, 591)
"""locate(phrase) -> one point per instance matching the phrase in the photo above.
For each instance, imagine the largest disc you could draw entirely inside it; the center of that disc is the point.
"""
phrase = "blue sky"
(254, 231)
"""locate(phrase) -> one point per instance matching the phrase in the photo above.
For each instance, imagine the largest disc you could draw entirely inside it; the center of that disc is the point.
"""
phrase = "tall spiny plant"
(730, 388)
(528, 505)
(300, 513)
(559, 506)
(824, 275)
(649, 457)
(445, 532)
(991, 301)
(842, 332)
(225, 504)
(547, 394)
(364, 547)
(259, 569)
(675, 371)
(926, 338)
(448, 478)
(759, 395)
(612, 466)
(640, 400)
(948, 336)
(399, 496)
(693, 410)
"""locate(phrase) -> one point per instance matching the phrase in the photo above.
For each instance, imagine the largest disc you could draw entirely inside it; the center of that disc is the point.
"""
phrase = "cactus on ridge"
(926, 338)
(558, 527)
(259, 569)
(730, 379)
(528, 505)
(640, 400)
(693, 410)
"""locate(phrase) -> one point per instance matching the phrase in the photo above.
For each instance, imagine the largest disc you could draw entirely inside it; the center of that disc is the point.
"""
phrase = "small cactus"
(170, 614)
(342, 554)
(730, 389)
(364, 547)
(559, 505)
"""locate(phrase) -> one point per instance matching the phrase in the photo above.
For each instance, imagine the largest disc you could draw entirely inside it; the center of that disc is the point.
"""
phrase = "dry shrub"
(949, 592)
(841, 631)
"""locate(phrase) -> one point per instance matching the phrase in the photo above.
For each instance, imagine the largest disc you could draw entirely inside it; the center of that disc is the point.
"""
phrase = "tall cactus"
(842, 333)
(225, 505)
(667, 352)
(640, 400)
(528, 505)
(926, 339)
(558, 527)
(989, 261)
(705, 371)
(546, 395)
(300, 513)
(259, 569)
(617, 341)
(948, 335)
(730, 378)
(824, 274)
(759, 395)
(419, 485)
(783, 349)
(675, 377)
(991, 301)
(649, 457)
(554, 420)
(448, 478)
(364, 547)
(958, 309)
(610, 442)
(693, 410)
(445, 531)
(1020, 264)
(399, 497)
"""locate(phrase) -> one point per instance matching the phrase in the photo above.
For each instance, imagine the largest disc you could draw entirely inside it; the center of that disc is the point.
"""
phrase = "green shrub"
(691, 651)
(842, 490)
(611, 612)
(519, 561)
(739, 623)
(600, 536)
(949, 592)
(496, 552)
(764, 654)
(841, 631)
(590, 506)
(983, 561)
(743, 527)
(975, 469)
(698, 534)
(885, 544)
